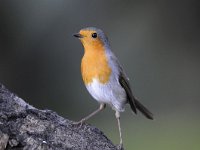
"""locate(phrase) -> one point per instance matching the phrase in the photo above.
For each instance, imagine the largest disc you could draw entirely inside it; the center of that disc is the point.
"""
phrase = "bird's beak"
(78, 35)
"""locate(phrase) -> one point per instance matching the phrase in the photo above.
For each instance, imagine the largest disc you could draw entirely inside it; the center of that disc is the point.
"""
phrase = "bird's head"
(92, 38)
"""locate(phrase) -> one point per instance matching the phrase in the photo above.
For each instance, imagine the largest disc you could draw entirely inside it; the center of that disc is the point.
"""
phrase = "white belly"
(111, 93)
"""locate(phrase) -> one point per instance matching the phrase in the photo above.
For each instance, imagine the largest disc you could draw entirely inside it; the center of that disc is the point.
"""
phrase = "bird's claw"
(120, 147)
(79, 123)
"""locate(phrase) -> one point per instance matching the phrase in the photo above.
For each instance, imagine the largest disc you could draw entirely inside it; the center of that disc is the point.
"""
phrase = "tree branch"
(24, 127)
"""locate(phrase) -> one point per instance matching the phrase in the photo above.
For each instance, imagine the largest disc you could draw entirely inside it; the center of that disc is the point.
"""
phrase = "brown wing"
(134, 103)
(131, 99)
(124, 83)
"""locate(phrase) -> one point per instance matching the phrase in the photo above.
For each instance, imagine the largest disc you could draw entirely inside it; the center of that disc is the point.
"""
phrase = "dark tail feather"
(143, 110)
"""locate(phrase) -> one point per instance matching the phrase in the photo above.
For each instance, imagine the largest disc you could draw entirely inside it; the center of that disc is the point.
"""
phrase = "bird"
(104, 77)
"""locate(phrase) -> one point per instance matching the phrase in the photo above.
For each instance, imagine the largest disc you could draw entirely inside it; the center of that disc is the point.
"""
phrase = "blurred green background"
(158, 43)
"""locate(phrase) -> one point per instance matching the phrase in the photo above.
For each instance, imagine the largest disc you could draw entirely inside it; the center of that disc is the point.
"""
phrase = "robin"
(104, 77)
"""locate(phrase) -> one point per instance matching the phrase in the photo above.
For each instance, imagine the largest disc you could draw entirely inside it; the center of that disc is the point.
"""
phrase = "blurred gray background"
(157, 42)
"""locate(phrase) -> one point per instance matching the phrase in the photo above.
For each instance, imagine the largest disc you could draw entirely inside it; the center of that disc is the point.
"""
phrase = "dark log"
(24, 127)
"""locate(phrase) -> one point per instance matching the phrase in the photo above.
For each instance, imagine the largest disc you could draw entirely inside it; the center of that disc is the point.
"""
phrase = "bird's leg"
(117, 115)
(102, 106)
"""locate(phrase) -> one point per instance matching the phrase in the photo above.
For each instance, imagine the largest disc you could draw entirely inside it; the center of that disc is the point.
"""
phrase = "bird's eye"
(94, 35)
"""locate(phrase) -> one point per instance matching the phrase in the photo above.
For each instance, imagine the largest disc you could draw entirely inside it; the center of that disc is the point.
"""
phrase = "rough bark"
(24, 127)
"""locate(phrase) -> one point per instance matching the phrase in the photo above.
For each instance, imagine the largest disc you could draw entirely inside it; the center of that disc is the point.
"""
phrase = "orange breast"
(95, 65)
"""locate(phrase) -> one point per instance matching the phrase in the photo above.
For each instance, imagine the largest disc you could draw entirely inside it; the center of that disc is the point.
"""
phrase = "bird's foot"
(79, 123)
(120, 146)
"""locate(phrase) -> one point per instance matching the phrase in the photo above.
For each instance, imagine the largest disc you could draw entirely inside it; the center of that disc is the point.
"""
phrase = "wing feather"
(124, 83)
(123, 80)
